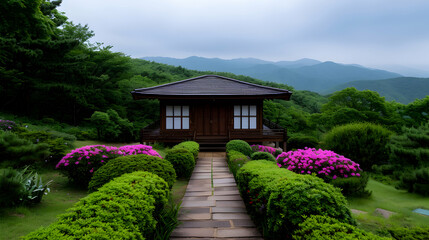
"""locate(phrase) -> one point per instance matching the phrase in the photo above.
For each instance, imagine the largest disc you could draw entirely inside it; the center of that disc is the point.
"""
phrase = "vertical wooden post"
(284, 139)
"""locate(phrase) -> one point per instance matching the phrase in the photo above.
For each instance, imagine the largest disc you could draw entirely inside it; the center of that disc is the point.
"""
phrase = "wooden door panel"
(210, 120)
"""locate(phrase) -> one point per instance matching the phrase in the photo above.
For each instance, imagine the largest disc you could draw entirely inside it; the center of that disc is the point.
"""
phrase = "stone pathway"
(212, 207)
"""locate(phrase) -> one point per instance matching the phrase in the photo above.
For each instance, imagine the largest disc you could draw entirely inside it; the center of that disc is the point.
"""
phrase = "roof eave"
(284, 96)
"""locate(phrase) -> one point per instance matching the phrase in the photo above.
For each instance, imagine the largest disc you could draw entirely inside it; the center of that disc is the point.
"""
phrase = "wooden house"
(212, 109)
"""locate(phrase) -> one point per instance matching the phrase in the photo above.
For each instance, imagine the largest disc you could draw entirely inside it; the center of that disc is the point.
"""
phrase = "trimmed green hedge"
(183, 161)
(236, 160)
(278, 199)
(416, 233)
(363, 143)
(191, 146)
(324, 228)
(124, 208)
(240, 146)
(263, 156)
(127, 164)
(301, 142)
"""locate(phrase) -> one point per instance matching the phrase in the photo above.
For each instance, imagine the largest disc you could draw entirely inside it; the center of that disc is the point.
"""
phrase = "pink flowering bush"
(325, 164)
(331, 167)
(262, 148)
(7, 125)
(80, 164)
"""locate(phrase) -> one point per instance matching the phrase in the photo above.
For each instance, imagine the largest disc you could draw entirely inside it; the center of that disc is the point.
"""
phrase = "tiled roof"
(210, 86)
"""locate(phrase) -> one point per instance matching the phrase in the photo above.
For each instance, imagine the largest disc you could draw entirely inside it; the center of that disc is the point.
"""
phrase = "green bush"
(353, 186)
(277, 153)
(57, 146)
(416, 181)
(411, 148)
(363, 143)
(278, 199)
(127, 164)
(236, 160)
(301, 142)
(318, 227)
(240, 146)
(263, 156)
(21, 187)
(18, 152)
(416, 233)
(125, 208)
(191, 146)
(183, 162)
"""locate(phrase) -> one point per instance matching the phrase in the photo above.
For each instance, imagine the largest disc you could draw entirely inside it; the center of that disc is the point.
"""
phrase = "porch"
(271, 132)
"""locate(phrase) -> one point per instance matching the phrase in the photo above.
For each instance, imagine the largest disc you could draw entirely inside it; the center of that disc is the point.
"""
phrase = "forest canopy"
(49, 68)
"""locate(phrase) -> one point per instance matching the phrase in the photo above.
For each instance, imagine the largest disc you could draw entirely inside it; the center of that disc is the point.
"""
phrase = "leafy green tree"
(417, 112)
(350, 105)
(101, 121)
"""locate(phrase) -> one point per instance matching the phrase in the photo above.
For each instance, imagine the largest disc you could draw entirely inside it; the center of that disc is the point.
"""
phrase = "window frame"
(177, 116)
(239, 119)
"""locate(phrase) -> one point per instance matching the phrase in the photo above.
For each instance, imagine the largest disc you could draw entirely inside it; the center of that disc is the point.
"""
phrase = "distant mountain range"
(303, 74)
(403, 89)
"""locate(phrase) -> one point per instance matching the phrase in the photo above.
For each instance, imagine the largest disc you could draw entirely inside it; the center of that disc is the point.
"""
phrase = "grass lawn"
(23, 220)
(78, 144)
(387, 197)
(16, 222)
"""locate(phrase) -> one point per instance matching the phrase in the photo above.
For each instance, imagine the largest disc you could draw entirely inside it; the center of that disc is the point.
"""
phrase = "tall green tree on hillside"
(350, 105)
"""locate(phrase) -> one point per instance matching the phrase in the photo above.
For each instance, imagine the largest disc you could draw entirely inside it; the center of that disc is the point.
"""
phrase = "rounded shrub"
(416, 181)
(125, 208)
(17, 152)
(318, 227)
(301, 142)
(80, 164)
(415, 233)
(364, 143)
(240, 146)
(279, 199)
(191, 146)
(127, 164)
(353, 186)
(183, 162)
(262, 148)
(262, 156)
(236, 160)
(11, 189)
(331, 167)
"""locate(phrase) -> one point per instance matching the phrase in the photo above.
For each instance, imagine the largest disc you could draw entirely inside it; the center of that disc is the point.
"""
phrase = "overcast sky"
(372, 33)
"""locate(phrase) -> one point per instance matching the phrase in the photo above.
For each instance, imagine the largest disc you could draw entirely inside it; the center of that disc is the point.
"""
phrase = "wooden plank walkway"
(212, 207)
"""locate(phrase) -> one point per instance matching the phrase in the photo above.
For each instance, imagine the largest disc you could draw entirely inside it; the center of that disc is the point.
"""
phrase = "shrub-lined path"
(212, 207)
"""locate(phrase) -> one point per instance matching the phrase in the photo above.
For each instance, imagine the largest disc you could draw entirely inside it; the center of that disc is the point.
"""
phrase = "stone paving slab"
(195, 210)
(238, 232)
(230, 216)
(198, 193)
(226, 197)
(206, 224)
(229, 192)
(193, 232)
(207, 203)
(228, 210)
(194, 216)
(213, 211)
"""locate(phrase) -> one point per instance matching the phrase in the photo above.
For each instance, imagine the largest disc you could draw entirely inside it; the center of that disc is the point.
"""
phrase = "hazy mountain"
(303, 74)
(403, 89)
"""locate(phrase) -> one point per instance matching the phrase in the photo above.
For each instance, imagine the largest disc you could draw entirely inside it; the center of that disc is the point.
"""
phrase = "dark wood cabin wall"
(197, 115)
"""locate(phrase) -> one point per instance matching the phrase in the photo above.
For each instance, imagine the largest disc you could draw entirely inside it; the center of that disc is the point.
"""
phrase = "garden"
(53, 186)
(312, 193)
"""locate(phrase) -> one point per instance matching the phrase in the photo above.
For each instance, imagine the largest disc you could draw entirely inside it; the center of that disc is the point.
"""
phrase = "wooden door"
(211, 119)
